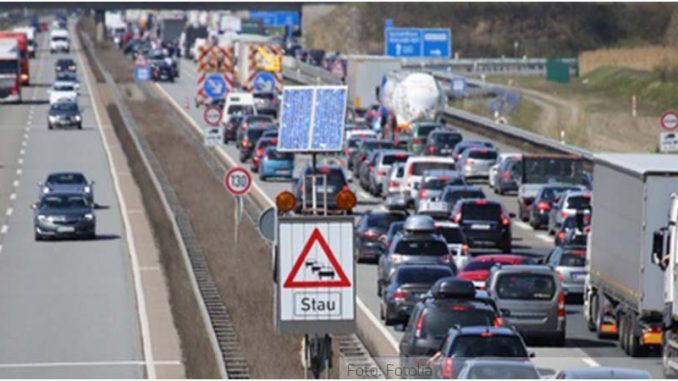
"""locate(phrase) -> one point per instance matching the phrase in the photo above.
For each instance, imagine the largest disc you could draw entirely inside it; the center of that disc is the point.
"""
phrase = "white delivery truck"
(29, 31)
(623, 296)
(364, 76)
(10, 70)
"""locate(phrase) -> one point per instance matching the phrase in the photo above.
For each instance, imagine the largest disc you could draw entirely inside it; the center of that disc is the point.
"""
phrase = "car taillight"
(505, 220)
(370, 234)
(416, 141)
(381, 173)
(395, 258)
(505, 175)
(543, 206)
(498, 322)
(14, 90)
(448, 365)
(346, 188)
(464, 249)
(456, 218)
(423, 193)
(398, 294)
(560, 235)
(561, 305)
(447, 258)
(392, 184)
(470, 161)
(564, 214)
(419, 325)
(260, 152)
(560, 276)
(370, 167)
(245, 143)
(431, 149)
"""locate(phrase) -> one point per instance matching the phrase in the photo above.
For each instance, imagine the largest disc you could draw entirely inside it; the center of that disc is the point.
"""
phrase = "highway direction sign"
(264, 81)
(315, 275)
(277, 18)
(212, 115)
(238, 181)
(312, 118)
(669, 120)
(214, 136)
(418, 42)
(215, 86)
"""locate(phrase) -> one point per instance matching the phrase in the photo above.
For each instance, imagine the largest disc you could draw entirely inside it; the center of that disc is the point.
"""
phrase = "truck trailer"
(364, 75)
(10, 71)
(623, 294)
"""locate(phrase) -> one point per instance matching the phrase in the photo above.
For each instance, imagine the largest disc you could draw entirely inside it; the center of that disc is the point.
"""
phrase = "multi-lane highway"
(583, 349)
(69, 308)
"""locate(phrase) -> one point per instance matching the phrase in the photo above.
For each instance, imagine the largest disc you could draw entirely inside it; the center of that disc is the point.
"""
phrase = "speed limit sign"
(238, 181)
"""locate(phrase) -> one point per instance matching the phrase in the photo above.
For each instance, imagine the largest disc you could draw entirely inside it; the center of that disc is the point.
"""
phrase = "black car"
(64, 113)
(63, 214)
(249, 141)
(441, 142)
(329, 181)
(231, 128)
(249, 121)
(404, 289)
(371, 231)
(484, 221)
(543, 202)
(453, 193)
(65, 64)
(161, 70)
(164, 61)
(466, 343)
(450, 302)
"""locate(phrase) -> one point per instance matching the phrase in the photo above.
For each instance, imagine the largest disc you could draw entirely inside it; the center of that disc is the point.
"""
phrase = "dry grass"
(647, 58)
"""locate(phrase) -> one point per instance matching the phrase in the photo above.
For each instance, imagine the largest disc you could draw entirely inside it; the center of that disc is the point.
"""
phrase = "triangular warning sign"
(343, 280)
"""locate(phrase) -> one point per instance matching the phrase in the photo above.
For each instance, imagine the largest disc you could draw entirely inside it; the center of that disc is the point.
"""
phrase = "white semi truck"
(623, 296)
(364, 75)
(413, 97)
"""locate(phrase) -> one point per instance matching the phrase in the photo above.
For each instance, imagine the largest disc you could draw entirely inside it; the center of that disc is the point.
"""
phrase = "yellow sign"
(272, 63)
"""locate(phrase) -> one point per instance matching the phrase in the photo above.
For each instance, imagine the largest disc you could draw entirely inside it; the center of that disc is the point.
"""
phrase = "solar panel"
(312, 118)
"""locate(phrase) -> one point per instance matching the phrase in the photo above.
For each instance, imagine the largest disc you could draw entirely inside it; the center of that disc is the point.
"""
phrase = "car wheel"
(49, 126)
(387, 319)
(38, 237)
(634, 347)
(559, 339)
(623, 331)
(79, 126)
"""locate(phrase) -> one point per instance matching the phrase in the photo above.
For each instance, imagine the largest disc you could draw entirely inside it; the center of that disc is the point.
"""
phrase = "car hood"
(64, 114)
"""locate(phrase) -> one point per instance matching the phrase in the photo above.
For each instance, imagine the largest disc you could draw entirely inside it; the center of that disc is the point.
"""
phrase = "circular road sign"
(238, 181)
(264, 81)
(215, 86)
(212, 115)
(669, 120)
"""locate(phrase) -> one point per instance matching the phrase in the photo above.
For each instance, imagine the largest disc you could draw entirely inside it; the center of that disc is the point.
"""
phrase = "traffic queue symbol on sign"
(669, 120)
(321, 273)
(238, 181)
(215, 86)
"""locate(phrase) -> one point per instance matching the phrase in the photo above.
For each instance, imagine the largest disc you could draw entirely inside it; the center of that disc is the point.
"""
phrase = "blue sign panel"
(215, 86)
(312, 119)
(263, 81)
(277, 18)
(388, 23)
(142, 73)
(418, 42)
(458, 86)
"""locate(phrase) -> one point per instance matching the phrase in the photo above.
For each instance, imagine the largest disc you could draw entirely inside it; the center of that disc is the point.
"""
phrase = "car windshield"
(540, 170)
(502, 372)
(452, 234)
(274, 154)
(573, 260)
(447, 138)
(382, 221)
(426, 129)
(64, 106)
(418, 168)
(421, 247)
(441, 183)
(240, 110)
(64, 202)
(438, 321)
(9, 66)
(66, 178)
(394, 158)
(488, 345)
(483, 154)
(458, 195)
(479, 265)
(412, 274)
(579, 202)
(526, 286)
(481, 212)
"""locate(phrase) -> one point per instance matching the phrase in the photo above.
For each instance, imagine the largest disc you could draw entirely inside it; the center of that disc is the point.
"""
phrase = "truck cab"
(10, 70)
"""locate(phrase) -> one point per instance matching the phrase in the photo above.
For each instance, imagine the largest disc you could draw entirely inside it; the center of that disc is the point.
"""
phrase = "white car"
(365, 133)
(59, 41)
(456, 242)
(415, 166)
(63, 90)
(237, 103)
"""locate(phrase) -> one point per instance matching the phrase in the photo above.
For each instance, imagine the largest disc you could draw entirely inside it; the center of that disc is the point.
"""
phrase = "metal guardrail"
(470, 66)
(518, 136)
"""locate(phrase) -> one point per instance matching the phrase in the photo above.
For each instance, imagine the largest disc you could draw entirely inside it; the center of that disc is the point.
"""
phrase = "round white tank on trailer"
(412, 97)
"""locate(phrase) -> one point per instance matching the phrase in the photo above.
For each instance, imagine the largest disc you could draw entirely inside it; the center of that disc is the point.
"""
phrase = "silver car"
(476, 162)
(434, 182)
(494, 170)
(531, 299)
(570, 263)
(603, 373)
(481, 369)
(382, 166)
(567, 205)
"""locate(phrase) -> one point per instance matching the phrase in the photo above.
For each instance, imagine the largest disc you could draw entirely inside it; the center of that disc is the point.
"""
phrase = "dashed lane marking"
(590, 362)
(9, 211)
(3, 229)
(87, 364)
(12, 196)
(19, 171)
(15, 183)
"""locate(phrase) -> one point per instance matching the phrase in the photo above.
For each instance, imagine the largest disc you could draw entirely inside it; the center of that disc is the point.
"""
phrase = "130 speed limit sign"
(238, 181)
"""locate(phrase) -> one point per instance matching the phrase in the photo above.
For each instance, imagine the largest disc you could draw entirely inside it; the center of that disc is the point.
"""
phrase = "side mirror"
(512, 215)
(659, 248)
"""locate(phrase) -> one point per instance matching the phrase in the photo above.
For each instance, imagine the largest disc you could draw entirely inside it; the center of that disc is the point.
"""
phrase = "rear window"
(453, 196)
(452, 234)
(394, 158)
(503, 372)
(417, 169)
(421, 247)
(526, 286)
(422, 275)
(426, 129)
(483, 155)
(479, 265)
(274, 154)
(579, 202)
(572, 260)
(369, 146)
(468, 346)
(438, 321)
(441, 183)
(449, 138)
(483, 212)
(259, 119)
(67, 178)
(383, 221)
(255, 133)
(550, 194)
(240, 109)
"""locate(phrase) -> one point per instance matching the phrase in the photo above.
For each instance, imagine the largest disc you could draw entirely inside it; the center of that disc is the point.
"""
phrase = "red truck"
(23, 53)
(10, 70)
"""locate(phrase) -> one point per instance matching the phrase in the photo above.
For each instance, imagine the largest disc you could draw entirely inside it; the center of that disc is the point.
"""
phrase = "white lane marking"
(149, 268)
(25, 136)
(0, 248)
(86, 363)
(19, 171)
(20, 161)
(136, 274)
(590, 362)
(3, 229)
(364, 195)
(9, 211)
(15, 183)
(12, 196)
(544, 237)
(522, 225)
(270, 202)
(22, 152)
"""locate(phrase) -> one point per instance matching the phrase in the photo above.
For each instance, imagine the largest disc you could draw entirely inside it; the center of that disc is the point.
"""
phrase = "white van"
(415, 167)
(59, 41)
(237, 103)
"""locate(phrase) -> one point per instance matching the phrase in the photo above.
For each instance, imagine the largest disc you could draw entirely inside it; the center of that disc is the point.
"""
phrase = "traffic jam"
(433, 215)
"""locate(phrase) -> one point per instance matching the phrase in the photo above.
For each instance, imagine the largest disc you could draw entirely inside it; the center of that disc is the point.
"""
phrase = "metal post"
(307, 356)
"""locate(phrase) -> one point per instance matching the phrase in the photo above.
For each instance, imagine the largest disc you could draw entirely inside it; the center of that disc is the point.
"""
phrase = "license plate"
(578, 276)
(445, 151)
(480, 227)
(65, 229)
(285, 171)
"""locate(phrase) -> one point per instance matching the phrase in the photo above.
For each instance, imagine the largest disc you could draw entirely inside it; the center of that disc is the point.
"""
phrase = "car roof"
(430, 159)
(463, 188)
(62, 83)
(525, 269)
(498, 257)
(441, 173)
(477, 330)
(600, 372)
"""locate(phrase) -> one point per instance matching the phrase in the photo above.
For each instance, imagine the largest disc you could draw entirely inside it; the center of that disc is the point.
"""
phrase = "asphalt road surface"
(582, 348)
(68, 307)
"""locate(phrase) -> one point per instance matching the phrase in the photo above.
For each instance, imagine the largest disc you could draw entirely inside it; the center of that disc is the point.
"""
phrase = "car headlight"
(87, 189)
(41, 217)
(77, 118)
(53, 118)
(46, 190)
(89, 216)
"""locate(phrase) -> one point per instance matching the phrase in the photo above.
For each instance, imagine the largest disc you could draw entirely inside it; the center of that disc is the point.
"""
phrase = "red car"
(478, 269)
(259, 151)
